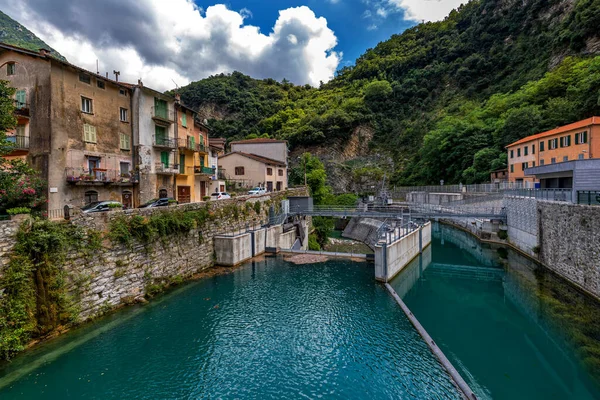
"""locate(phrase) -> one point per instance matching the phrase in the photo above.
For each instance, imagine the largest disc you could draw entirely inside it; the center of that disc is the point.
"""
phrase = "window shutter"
(20, 97)
(92, 134)
(584, 137)
(86, 133)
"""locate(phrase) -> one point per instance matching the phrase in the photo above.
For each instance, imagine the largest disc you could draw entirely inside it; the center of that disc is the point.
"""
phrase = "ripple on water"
(268, 330)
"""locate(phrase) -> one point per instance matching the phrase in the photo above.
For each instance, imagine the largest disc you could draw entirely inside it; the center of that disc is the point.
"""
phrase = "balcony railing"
(202, 170)
(21, 108)
(18, 142)
(167, 169)
(201, 147)
(187, 144)
(166, 142)
(163, 114)
(99, 175)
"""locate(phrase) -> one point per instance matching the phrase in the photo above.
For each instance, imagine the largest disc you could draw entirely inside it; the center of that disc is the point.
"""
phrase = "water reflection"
(511, 327)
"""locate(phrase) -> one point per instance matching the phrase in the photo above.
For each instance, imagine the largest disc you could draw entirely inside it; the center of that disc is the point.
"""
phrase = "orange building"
(577, 141)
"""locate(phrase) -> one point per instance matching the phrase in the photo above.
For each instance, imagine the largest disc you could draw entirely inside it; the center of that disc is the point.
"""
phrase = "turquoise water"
(512, 329)
(270, 329)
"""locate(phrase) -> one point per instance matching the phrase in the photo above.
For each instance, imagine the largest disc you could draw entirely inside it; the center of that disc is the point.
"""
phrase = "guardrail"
(99, 175)
(474, 188)
(589, 197)
(565, 195)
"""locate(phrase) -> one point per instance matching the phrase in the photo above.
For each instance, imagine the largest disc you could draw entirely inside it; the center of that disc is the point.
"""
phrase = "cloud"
(372, 27)
(426, 10)
(162, 41)
(382, 12)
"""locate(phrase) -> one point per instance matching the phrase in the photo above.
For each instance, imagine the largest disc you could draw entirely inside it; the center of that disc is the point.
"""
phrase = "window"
(122, 92)
(85, 78)
(523, 166)
(566, 158)
(542, 145)
(280, 172)
(581, 138)
(532, 164)
(125, 141)
(512, 154)
(100, 84)
(124, 168)
(239, 170)
(512, 168)
(184, 120)
(20, 130)
(164, 158)
(565, 141)
(518, 152)
(581, 156)
(533, 149)
(90, 196)
(89, 133)
(526, 150)
(10, 69)
(86, 105)
(553, 160)
(123, 114)
(269, 171)
(20, 99)
(182, 163)
(552, 144)
(541, 162)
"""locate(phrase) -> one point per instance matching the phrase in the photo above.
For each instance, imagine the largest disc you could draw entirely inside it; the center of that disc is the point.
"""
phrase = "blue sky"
(355, 23)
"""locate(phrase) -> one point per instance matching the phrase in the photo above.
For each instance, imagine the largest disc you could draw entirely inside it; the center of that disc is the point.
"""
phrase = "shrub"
(18, 210)
(257, 207)
(502, 234)
(313, 244)
(206, 198)
(115, 205)
(536, 249)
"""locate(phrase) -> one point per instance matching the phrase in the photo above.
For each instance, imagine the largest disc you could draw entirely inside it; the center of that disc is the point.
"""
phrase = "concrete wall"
(259, 239)
(286, 240)
(522, 223)
(232, 250)
(570, 243)
(392, 258)
(273, 235)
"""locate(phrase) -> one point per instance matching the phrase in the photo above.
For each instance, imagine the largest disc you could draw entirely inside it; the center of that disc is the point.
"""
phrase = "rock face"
(119, 274)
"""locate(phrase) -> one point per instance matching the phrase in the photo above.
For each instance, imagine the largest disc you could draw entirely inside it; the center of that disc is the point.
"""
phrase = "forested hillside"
(443, 99)
(13, 33)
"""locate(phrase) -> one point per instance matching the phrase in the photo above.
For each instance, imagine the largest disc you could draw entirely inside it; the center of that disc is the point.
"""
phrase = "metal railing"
(21, 108)
(162, 168)
(161, 141)
(163, 114)
(187, 143)
(99, 175)
(543, 194)
(389, 233)
(589, 197)
(18, 142)
(201, 170)
(474, 188)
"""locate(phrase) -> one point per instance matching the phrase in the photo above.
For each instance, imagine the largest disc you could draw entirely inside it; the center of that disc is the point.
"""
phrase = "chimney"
(140, 83)
(45, 52)
(106, 74)
(117, 73)
(177, 97)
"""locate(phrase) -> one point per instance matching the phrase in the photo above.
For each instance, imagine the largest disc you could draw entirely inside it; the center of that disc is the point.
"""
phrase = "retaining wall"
(522, 223)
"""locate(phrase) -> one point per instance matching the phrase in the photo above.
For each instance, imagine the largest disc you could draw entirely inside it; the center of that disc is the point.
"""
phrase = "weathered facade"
(250, 170)
(76, 127)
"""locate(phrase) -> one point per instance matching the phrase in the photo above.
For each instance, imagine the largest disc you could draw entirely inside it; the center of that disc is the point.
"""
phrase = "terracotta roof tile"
(560, 129)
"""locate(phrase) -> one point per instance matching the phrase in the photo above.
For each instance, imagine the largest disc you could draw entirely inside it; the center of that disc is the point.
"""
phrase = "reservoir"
(273, 329)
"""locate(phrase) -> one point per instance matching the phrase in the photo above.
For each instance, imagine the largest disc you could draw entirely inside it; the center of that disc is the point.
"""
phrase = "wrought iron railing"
(164, 114)
(162, 168)
(204, 170)
(161, 141)
(99, 175)
(18, 142)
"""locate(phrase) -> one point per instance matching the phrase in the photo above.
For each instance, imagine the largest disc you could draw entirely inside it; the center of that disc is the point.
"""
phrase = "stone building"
(577, 141)
(73, 126)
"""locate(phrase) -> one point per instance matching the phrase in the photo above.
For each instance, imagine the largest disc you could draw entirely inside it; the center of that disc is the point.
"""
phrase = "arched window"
(90, 196)
(162, 193)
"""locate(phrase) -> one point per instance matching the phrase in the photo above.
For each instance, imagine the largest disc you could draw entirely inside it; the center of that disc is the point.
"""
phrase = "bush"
(313, 244)
(502, 234)
(18, 210)
(115, 205)
(206, 198)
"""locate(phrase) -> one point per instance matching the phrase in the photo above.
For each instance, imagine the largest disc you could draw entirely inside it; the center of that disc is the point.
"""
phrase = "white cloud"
(426, 10)
(162, 41)
(382, 12)
(372, 27)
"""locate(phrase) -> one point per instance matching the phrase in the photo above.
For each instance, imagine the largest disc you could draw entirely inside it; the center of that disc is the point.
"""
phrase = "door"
(183, 194)
(93, 164)
(160, 108)
(278, 186)
(164, 158)
(162, 193)
(182, 163)
(269, 186)
(160, 135)
(202, 189)
(127, 199)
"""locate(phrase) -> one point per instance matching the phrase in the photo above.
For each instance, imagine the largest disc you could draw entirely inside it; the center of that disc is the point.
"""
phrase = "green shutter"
(160, 135)
(182, 163)
(21, 98)
(201, 161)
(184, 120)
(584, 137)
(164, 158)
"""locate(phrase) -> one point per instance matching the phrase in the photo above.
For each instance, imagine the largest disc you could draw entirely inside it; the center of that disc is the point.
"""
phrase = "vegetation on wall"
(443, 98)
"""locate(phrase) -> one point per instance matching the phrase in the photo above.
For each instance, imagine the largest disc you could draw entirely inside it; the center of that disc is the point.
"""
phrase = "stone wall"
(570, 242)
(119, 274)
(522, 223)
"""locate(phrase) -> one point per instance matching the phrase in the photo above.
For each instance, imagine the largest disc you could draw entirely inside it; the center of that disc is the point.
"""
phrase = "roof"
(258, 140)
(575, 125)
(261, 159)
(49, 57)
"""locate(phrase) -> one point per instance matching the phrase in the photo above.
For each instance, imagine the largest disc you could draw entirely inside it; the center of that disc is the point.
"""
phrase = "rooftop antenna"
(176, 85)
(117, 73)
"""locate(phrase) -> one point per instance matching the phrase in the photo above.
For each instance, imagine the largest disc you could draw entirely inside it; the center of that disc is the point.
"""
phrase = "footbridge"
(404, 211)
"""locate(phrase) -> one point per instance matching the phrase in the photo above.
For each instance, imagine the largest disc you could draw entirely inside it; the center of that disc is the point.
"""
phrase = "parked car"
(258, 190)
(162, 202)
(100, 206)
(219, 196)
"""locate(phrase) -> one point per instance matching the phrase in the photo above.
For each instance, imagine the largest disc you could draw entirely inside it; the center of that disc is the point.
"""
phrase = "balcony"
(201, 148)
(163, 115)
(187, 144)
(21, 109)
(166, 169)
(203, 170)
(99, 176)
(164, 142)
(18, 142)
